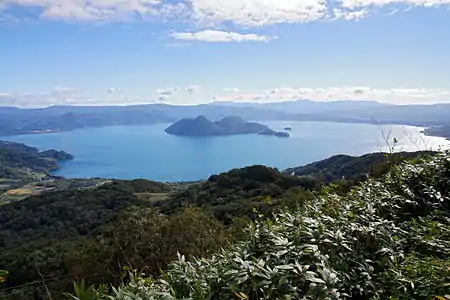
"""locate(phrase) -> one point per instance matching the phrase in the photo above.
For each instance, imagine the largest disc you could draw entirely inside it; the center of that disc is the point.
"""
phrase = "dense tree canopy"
(50, 240)
(386, 239)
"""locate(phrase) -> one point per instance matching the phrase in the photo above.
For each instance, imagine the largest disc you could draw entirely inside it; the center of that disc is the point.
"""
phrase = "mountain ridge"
(60, 118)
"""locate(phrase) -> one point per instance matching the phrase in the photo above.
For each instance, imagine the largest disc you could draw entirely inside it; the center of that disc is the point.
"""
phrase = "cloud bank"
(215, 36)
(246, 13)
(393, 96)
(194, 94)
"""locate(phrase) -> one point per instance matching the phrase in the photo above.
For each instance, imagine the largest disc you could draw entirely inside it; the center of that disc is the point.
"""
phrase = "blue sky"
(96, 52)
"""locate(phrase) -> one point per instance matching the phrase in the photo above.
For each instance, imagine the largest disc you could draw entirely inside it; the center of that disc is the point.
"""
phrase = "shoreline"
(78, 168)
(424, 129)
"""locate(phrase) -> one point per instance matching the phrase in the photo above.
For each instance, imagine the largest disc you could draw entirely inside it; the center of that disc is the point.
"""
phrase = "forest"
(98, 235)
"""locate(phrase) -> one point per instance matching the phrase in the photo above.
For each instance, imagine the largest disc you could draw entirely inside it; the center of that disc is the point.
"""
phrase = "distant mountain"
(62, 118)
(311, 107)
(201, 126)
(357, 112)
(442, 131)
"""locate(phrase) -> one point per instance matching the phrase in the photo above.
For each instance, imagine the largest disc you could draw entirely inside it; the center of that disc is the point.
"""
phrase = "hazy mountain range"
(60, 118)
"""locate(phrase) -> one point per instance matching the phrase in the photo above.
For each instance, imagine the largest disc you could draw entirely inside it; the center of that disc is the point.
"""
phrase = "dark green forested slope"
(49, 241)
(20, 162)
(354, 168)
(239, 191)
(92, 234)
(386, 239)
(40, 234)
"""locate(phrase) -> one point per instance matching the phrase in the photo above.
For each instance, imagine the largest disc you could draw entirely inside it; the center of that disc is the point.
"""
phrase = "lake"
(129, 152)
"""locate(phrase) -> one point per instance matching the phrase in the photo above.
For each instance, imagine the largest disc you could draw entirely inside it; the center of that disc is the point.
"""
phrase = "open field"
(152, 197)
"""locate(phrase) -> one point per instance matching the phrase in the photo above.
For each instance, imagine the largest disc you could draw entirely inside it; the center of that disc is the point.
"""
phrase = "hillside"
(25, 170)
(387, 239)
(238, 192)
(22, 164)
(92, 234)
(16, 155)
(353, 168)
(41, 233)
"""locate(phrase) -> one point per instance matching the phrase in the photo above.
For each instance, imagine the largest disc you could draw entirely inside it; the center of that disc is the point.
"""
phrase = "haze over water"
(129, 152)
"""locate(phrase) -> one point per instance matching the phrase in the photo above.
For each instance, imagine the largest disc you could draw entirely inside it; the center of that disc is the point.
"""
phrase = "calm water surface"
(129, 152)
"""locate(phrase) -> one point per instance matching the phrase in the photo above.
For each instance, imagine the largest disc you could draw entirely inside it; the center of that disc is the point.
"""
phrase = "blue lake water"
(129, 152)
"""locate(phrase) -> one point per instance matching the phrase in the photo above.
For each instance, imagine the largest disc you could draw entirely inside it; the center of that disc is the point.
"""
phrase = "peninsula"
(201, 126)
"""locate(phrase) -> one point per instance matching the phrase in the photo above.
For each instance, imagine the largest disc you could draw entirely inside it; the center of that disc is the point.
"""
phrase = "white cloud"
(193, 94)
(258, 12)
(215, 36)
(7, 99)
(65, 96)
(167, 92)
(231, 90)
(352, 4)
(395, 95)
(88, 10)
(175, 94)
(58, 96)
(192, 89)
(163, 98)
(246, 13)
(113, 90)
(350, 14)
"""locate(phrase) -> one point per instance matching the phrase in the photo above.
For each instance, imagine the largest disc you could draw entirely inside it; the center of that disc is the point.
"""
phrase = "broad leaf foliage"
(388, 238)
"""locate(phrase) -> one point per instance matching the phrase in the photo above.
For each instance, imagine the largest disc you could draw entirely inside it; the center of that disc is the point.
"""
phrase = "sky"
(121, 52)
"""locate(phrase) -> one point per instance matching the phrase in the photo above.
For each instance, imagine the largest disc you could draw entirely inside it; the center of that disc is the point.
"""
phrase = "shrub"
(387, 238)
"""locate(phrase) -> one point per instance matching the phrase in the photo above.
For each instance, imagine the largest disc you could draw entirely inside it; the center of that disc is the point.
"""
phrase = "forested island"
(201, 126)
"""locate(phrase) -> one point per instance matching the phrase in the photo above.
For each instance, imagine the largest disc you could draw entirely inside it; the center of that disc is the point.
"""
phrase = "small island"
(201, 126)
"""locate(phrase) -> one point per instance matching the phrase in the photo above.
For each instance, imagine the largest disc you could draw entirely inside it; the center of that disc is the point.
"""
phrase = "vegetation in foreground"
(50, 240)
(386, 239)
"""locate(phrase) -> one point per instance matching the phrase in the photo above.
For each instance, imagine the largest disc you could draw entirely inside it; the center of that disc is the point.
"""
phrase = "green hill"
(20, 162)
(45, 233)
(238, 192)
(50, 240)
(354, 168)
(386, 239)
